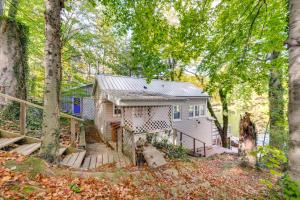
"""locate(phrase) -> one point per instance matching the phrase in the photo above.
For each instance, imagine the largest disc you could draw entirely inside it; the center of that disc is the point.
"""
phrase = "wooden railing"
(194, 149)
(23, 108)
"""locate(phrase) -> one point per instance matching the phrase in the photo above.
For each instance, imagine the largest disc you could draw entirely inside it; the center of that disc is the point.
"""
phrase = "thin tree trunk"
(221, 129)
(224, 136)
(13, 8)
(276, 106)
(1, 7)
(294, 89)
(51, 132)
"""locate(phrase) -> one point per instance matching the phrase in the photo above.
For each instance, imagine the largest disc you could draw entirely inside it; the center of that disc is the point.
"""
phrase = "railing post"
(73, 132)
(180, 138)
(194, 145)
(174, 137)
(133, 149)
(23, 108)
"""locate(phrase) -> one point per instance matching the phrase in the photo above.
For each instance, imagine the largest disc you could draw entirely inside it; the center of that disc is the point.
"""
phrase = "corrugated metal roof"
(139, 85)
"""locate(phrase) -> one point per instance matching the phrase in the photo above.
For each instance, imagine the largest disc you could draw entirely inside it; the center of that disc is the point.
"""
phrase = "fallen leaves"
(219, 178)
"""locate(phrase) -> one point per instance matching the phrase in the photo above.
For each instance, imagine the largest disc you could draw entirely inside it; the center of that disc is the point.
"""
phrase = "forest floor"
(220, 177)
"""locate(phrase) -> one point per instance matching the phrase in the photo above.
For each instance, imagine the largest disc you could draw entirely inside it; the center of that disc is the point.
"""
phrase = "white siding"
(200, 127)
(104, 116)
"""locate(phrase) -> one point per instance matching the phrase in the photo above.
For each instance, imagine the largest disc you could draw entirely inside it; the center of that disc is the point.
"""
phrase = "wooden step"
(4, 142)
(74, 160)
(27, 149)
(61, 151)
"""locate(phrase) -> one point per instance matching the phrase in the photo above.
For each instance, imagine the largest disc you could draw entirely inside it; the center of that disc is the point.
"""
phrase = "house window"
(177, 112)
(202, 110)
(191, 111)
(116, 111)
(196, 111)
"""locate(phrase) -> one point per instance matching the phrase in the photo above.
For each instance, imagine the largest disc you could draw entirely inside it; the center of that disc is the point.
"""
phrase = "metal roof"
(113, 84)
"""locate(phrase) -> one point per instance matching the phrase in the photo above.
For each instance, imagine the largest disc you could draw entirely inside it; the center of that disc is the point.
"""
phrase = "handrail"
(38, 106)
(194, 141)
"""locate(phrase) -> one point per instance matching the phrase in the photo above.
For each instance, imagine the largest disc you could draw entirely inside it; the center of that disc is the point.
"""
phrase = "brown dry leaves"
(219, 178)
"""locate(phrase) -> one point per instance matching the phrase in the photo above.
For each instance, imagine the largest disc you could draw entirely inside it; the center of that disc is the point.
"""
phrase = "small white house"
(127, 108)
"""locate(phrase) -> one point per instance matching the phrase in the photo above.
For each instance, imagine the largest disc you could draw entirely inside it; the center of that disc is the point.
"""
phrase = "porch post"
(23, 109)
(73, 132)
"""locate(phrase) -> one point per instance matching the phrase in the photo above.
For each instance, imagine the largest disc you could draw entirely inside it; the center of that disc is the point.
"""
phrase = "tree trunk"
(276, 106)
(51, 132)
(294, 89)
(221, 129)
(13, 8)
(224, 136)
(1, 7)
(13, 58)
(247, 140)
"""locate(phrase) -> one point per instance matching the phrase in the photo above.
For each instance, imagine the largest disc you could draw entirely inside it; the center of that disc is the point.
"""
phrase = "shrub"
(275, 160)
(172, 151)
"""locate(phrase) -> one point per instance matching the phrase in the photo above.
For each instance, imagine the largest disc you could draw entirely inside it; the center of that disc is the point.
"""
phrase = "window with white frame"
(177, 112)
(116, 111)
(196, 111)
(202, 110)
(191, 111)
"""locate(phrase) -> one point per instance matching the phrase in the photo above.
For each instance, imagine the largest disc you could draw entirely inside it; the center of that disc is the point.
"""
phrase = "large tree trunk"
(247, 143)
(294, 89)
(276, 106)
(13, 56)
(51, 132)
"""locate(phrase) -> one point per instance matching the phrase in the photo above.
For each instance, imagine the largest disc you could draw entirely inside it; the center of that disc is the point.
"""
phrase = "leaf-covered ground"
(217, 178)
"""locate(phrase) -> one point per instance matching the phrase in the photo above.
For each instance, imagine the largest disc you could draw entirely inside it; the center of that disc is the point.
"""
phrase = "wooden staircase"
(22, 144)
(95, 153)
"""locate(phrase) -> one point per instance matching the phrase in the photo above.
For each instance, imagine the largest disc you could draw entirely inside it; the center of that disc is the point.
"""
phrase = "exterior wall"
(104, 116)
(200, 127)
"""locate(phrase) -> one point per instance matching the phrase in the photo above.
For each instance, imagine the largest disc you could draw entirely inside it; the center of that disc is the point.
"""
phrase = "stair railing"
(181, 134)
(23, 108)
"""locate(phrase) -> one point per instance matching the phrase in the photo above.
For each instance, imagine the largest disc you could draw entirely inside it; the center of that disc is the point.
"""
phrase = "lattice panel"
(88, 108)
(128, 147)
(147, 119)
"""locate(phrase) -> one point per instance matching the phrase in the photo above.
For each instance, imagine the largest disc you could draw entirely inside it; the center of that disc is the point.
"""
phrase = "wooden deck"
(4, 142)
(27, 149)
(215, 149)
(97, 160)
(74, 160)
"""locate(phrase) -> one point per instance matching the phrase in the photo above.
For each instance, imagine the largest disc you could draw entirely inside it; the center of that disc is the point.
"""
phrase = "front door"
(76, 106)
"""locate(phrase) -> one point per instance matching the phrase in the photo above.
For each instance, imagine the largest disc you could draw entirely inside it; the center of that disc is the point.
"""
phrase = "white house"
(127, 108)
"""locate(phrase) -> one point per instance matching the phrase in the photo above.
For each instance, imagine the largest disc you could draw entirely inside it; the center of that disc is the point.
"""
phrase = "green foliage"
(11, 112)
(75, 188)
(272, 158)
(34, 118)
(275, 161)
(172, 151)
(290, 188)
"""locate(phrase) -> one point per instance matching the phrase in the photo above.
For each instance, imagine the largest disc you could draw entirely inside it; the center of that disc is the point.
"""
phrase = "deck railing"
(195, 149)
(22, 118)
